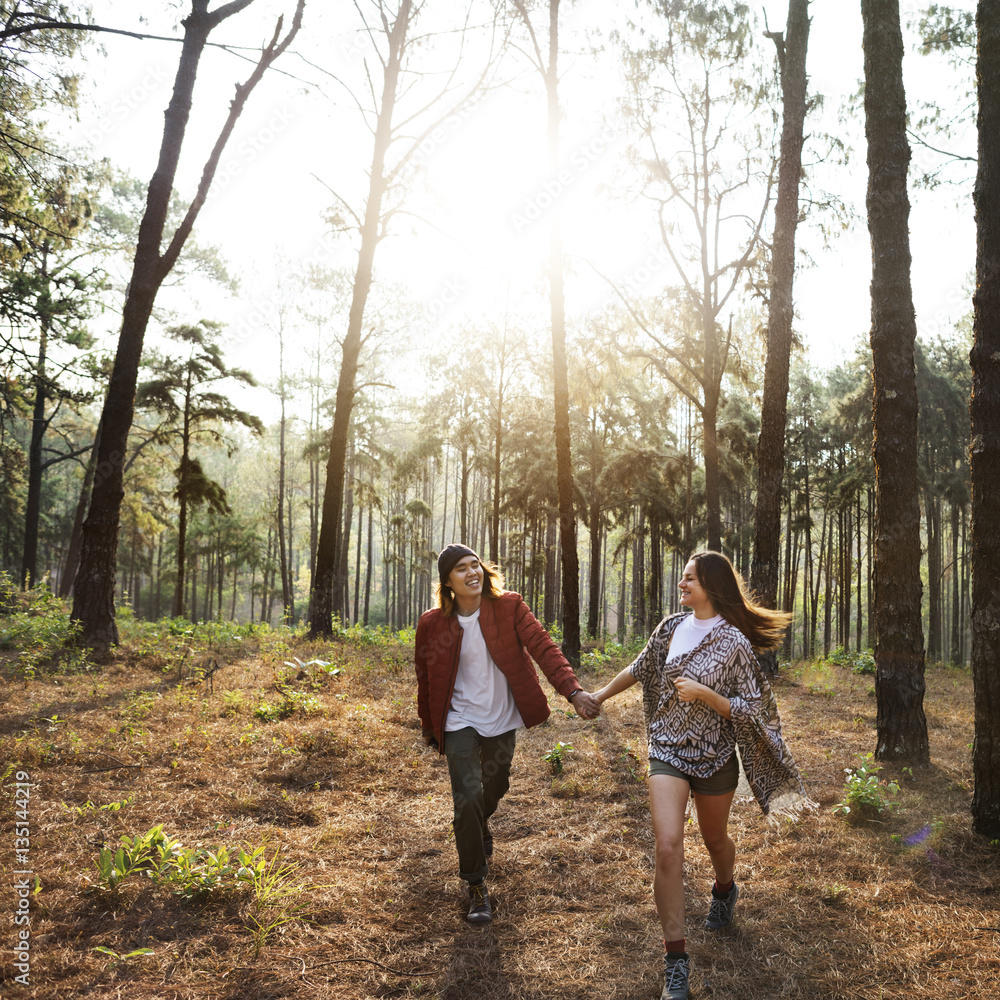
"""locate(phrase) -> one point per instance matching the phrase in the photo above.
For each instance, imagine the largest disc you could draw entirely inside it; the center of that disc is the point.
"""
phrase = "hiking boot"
(487, 840)
(480, 911)
(677, 969)
(720, 912)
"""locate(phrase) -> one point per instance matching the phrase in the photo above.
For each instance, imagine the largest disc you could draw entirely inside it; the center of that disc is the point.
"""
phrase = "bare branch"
(271, 52)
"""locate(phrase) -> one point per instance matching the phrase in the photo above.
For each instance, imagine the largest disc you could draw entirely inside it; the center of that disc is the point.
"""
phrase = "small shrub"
(867, 796)
(860, 663)
(275, 893)
(189, 872)
(291, 702)
(39, 628)
(556, 756)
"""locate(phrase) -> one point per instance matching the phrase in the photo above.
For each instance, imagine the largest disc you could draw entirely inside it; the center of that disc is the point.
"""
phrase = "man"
(476, 686)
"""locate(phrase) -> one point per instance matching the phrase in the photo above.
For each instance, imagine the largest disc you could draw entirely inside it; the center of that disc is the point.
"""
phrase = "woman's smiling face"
(693, 595)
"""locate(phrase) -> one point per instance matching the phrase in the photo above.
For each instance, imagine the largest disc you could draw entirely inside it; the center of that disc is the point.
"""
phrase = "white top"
(482, 697)
(689, 633)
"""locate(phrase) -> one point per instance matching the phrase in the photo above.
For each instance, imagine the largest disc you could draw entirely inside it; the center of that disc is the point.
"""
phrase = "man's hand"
(586, 705)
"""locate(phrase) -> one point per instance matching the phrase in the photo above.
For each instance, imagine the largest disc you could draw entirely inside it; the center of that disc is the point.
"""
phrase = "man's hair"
(492, 587)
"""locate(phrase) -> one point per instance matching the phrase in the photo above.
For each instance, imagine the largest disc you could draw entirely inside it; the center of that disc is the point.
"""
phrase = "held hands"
(587, 707)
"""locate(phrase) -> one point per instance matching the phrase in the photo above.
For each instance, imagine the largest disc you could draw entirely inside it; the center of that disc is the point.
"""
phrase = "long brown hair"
(492, 587)
(730, 597)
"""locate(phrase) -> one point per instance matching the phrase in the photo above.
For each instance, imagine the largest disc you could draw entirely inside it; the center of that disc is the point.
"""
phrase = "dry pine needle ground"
(343, 787)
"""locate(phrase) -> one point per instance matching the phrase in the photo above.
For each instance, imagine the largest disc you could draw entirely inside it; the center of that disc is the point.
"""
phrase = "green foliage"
(274, 890)
(325, 667)
(40, 630)
(189, 872)
(555, 758)
(89, 807)
(866, 796)
(119, 959)
(291, 702)
(942, 28)
(612, 654)
(860, 663)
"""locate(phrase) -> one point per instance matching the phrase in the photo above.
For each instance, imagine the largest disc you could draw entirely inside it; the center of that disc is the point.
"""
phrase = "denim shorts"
(722, 782)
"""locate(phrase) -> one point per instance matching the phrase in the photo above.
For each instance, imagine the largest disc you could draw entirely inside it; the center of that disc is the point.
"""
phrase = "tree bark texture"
(596, 595)
(76, 538)
(94, 587)
(328, 586)
(560, 375)
(899, 642)
(771, 443)
(33, 504)
(985, 450)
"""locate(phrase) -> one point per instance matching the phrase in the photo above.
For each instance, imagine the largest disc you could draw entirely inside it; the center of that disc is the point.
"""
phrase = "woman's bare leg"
(668, 797)
(713, 821)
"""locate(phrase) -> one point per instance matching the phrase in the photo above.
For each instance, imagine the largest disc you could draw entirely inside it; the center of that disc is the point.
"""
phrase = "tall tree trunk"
(709, 427)
(286, 590)
(899, 641)
(622, 596)
(357, 564)
(860, 574)
(932, 517)
(551, 546)
(596, 593)
(497, 451)
(344, 574)
(76, 538)
(985, 410)
(954, 651)
(327, 585)
(368, 566)
(94, 588)
(771, 444)
(183, 475)
(560, 374)
(33, 502)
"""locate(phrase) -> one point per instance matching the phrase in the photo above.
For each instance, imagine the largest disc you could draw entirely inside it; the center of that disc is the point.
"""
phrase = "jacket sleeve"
(423, 689)
(543, 650)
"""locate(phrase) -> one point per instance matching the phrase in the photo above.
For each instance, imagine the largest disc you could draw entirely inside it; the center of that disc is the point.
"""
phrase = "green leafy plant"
(37, 626)
(89, 807)
(291, 702)
(324, 666)
(275, 890)
(114, 867)
(866, 795)
(555, 758)
(862, 662)
(189, 872)
(119, 959)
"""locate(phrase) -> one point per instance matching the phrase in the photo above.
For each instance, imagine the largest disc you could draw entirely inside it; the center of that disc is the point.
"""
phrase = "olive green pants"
(479, 767)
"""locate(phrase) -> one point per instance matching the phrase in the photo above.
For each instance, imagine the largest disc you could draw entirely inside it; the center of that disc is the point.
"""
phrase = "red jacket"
(511, 632)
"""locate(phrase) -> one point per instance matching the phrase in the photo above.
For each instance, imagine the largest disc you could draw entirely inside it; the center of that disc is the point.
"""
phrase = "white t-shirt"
(482, 697)
(689, 633)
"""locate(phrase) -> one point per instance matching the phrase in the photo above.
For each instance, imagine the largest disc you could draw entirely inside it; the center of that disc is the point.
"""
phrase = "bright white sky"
(482, 251)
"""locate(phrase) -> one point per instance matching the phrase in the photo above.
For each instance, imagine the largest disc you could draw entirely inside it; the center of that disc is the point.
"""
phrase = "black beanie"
(450, 555)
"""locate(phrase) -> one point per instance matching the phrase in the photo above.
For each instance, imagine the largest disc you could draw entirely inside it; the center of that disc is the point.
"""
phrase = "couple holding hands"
(704, 697)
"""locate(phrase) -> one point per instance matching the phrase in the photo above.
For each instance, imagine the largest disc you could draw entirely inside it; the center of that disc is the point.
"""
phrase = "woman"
(703, 696)
(475, 687)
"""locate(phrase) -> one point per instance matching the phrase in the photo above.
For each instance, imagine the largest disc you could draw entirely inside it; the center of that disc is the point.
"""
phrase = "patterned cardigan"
(695, 738)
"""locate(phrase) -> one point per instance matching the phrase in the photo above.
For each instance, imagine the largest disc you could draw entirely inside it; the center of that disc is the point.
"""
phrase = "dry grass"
(828, 910)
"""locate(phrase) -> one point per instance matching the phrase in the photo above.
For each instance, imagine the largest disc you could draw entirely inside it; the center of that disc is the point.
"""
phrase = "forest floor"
(356, 893)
